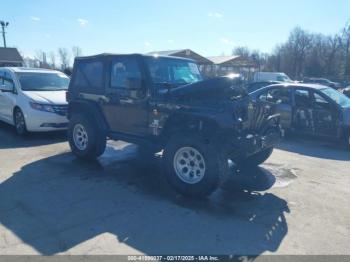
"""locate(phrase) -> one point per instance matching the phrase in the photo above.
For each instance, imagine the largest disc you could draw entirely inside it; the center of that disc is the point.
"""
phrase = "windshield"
(337, 97)
(173, 71)
(43, 81)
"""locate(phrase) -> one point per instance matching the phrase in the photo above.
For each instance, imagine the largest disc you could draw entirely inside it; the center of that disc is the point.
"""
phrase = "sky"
(139, 26)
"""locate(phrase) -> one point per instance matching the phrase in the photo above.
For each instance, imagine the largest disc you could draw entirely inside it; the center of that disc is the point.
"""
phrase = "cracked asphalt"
(53, 203)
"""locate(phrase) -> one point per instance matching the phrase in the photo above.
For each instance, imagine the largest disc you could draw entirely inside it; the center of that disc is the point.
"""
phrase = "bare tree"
(76, 50)
(345, 43)
(52, 56)
(64, 57)
(242, 51)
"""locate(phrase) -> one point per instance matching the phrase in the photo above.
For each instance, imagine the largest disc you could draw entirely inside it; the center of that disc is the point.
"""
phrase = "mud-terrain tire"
(85, 138)
(256, 159)
(19, 122)
(193, 167)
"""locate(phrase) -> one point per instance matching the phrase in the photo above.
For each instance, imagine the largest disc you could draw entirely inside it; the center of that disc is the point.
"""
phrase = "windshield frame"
(166, 84)
(20, 75)
(337, 93)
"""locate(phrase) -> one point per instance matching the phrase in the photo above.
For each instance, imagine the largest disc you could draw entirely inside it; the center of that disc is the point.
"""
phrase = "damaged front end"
(258, 129)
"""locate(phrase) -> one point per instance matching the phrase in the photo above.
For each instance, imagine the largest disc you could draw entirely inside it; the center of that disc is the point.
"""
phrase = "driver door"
(325, 116)
(127, 108)
(303, 121)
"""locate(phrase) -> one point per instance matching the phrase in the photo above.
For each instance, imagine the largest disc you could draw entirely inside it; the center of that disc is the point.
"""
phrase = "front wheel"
(193, 167)
(19, 121)
(85, 138)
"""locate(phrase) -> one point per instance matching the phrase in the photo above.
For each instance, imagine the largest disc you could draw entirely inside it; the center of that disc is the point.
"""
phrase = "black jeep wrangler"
(162, 103)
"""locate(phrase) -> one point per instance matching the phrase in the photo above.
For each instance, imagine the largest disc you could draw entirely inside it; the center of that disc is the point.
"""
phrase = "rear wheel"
(85, 138)
(193, 168)
(19, 121)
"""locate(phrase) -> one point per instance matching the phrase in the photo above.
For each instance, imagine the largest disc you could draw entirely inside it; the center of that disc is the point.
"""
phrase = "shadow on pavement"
(315, 148)
(9, 138)
(59, 202)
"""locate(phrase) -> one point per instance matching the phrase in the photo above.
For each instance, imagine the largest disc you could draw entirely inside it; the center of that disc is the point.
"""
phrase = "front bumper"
(250, 144)
(37, 121)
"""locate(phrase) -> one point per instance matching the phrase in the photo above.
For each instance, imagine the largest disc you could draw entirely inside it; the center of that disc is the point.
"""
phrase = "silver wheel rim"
(80, 137)
(20, 124)
(189, 165)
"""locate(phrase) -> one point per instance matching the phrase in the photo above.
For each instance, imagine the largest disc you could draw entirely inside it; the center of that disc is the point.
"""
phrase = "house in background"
(215, 65)
(225, 65)
(10, 57)
(186, 53)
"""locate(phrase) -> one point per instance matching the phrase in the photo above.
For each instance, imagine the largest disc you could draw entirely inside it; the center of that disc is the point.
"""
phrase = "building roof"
(231, 60)
(221, 59)
(10, 55)
(184, 53)
(167, 52)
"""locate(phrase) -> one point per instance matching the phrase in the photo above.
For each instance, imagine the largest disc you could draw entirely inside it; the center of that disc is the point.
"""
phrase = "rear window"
(89, 74)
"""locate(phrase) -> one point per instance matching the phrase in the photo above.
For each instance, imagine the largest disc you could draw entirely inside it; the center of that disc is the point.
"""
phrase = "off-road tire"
(97, 140)
(21, 128)
(256, 159)
(216, 165)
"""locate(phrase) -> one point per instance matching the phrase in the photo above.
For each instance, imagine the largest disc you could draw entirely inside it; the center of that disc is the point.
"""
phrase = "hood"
(211, 88)
(47, 97)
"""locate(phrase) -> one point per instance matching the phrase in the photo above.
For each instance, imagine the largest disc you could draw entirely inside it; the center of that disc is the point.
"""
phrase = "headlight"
(42, 107)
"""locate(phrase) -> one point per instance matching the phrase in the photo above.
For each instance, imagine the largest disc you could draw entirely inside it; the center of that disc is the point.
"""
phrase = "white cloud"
(216, 15)
(82, 22)
(35, 18)
(226, 41)
(147, 44)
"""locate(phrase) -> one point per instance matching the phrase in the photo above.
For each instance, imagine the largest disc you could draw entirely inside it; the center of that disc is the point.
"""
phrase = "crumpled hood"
(47, 97)
(211, 88)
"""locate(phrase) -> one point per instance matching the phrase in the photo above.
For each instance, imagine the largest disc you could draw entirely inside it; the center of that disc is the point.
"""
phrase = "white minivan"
(271, 76)
(33, 99)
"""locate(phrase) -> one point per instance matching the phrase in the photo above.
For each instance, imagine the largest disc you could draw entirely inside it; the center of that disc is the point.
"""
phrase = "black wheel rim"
(19, 122)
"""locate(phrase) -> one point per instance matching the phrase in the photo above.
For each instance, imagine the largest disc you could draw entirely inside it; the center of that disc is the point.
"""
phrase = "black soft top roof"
(111, 55)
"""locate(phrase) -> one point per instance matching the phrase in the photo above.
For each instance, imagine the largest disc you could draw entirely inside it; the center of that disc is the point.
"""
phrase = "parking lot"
(296, 203)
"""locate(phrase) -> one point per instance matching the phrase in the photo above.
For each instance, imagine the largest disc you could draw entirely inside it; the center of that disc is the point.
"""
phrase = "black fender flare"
(89, 108)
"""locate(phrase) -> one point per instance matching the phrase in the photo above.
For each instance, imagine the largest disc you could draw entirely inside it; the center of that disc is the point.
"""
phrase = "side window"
(6, 80)
(302, 98)
(320, 102)
(276, 96)
(89, 74)
(124, 70)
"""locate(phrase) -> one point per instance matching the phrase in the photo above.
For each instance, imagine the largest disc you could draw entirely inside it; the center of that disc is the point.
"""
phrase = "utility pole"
(3, 26)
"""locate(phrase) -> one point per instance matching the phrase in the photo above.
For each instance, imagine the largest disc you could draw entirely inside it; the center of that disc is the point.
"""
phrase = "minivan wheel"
(85, 138)
(194, 168)
(19, 121)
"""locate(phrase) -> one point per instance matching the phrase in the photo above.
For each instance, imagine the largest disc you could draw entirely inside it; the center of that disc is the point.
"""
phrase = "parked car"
(33, 99)
(322, 81)
(271, 76)
(251, 87)
(309, 109)
(163, 103)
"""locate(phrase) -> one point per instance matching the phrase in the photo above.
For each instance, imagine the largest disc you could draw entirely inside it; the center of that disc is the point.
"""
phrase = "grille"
(61, 109)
